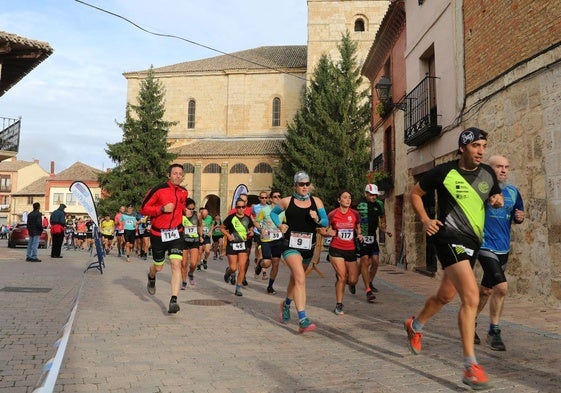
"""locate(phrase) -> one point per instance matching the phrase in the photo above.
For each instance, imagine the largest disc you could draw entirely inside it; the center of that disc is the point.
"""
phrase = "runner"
(192, 236)
(129, 233)
(120, 231)
(205, 243)
(217, 238)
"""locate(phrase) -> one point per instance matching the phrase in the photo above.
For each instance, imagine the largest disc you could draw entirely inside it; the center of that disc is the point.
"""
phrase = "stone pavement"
(124, 341)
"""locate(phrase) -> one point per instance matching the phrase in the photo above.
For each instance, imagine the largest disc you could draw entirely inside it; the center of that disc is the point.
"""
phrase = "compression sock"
(417, 326)
(301, 315)
(493, 329)
(271, 282)
(287, 301)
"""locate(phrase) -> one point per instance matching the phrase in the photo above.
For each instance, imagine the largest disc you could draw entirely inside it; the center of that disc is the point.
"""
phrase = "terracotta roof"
(78, 171)
(18, 56)
(264, 57)
(38, 187)
(230, 147)
(13, 166)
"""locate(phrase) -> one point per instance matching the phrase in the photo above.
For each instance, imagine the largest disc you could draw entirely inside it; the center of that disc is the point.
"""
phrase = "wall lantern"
(383, 90)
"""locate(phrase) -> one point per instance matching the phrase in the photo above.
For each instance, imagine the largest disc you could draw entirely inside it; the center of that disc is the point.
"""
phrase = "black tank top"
(298, 219)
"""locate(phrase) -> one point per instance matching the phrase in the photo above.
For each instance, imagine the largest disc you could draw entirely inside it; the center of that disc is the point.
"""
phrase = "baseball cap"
(299, 176)
(470, 135)
(372, 189)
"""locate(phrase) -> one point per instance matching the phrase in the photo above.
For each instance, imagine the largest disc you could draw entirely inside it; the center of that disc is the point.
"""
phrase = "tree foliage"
(328, 135)
(142, 157)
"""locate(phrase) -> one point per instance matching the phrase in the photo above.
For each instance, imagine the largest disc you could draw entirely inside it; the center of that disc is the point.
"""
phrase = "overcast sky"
(69, 103)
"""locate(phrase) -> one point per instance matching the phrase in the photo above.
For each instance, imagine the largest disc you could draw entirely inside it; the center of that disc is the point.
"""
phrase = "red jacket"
(159, 196)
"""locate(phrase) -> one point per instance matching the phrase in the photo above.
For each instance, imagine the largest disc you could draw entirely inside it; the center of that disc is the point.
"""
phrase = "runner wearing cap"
(463, 187)
(372, 214)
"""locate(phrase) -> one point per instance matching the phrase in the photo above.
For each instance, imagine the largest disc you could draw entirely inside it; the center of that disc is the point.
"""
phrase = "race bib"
(191, 230)
(327, 241)
(169, 234)
(273, 234)
(345, 234)
(300, 240)
(368, 239)
(206, 230)
(240, 246)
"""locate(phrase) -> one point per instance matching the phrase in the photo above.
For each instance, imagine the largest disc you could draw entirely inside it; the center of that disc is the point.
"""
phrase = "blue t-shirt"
(496, 232)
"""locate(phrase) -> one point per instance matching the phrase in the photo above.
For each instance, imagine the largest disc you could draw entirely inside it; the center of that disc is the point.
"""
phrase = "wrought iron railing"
(421, 117)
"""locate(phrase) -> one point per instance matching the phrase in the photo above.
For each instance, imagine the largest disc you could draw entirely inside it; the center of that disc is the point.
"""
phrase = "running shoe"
(373, 288)
(173, 307)
(151, 286)
(238, 292)
(414, 338)
(306, 325)
(227, 275)
(271, 290)
(370, 297)
(183, 285)
(258, 269)
(192, 281)
(476, 378)
(352, 289)
(244, 282)
(199, 266)
(284, 312)
(233, 279)
(205, 266)
(339, 309)
(494, 341)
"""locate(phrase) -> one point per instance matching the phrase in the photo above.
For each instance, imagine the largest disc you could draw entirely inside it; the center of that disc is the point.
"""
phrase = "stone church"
(232, 110)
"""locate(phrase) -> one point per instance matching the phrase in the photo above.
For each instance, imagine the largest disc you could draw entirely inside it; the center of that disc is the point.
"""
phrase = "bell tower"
(329, 19)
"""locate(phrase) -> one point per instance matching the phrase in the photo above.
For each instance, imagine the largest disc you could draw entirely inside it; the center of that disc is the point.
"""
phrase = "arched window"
(188, 168)
(276, 112)
(263, 167)
(191, 114)
(212, 168)
(359, 24)
(239, 168)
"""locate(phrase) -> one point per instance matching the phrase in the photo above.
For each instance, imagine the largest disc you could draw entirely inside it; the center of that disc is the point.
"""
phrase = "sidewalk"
(123, 339)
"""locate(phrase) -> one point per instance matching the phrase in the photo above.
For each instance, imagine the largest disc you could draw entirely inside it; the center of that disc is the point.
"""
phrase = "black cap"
(471, 135)
(62, 206)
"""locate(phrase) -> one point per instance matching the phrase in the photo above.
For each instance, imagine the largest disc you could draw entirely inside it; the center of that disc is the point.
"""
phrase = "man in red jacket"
(165, 204)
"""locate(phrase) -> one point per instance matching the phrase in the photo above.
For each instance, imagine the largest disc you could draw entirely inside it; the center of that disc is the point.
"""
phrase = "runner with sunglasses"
(192, 235)
(304, 214)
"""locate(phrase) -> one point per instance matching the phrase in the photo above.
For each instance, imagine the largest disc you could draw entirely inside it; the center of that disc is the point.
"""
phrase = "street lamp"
(383, 90)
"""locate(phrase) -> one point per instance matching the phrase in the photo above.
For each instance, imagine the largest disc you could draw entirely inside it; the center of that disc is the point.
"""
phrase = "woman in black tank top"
(304, 214)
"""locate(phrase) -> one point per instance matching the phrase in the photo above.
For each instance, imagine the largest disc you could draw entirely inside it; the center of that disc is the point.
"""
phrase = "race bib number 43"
(300, 240)
(240, 246)
(169, 234)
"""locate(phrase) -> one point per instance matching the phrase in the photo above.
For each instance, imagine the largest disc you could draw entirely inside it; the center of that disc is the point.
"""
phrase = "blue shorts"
(271, 250)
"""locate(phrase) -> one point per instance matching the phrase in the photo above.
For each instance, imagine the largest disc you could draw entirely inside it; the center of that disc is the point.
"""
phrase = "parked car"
(19, 236)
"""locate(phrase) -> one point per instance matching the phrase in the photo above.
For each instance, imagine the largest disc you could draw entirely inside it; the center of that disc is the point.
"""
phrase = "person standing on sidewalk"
(372, 214)
(34, 230)
(494, 251)
(58, 223)
(463, 187)
(304, 214)
(344, 228)
(165, 204)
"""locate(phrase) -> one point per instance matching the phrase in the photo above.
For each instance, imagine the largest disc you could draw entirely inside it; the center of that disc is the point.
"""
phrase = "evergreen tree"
(328, 135)
(141, 158)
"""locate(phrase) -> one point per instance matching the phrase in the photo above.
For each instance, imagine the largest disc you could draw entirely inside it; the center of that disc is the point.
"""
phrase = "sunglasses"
(240, 207)
(304, 184)
(262, 197)
(191, 208)
(276, 196)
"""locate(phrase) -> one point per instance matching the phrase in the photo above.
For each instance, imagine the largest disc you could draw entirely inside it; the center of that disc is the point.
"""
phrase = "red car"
(19, 236)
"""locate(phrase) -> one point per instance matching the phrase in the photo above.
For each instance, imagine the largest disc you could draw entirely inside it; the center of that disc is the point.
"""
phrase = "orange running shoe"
(476, 378)
(414, 338)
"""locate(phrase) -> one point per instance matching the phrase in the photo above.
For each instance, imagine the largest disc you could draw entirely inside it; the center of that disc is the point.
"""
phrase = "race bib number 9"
(169, 234)
(300, 240)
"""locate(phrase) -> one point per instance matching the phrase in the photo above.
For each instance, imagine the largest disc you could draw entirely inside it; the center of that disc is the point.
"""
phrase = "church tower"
(329, 19)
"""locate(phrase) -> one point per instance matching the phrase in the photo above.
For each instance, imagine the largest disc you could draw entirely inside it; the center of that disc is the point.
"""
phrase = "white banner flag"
(83, 194)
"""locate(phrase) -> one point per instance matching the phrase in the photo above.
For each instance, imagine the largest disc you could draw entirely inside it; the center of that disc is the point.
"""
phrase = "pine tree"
(328, 135)
(141, 158)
